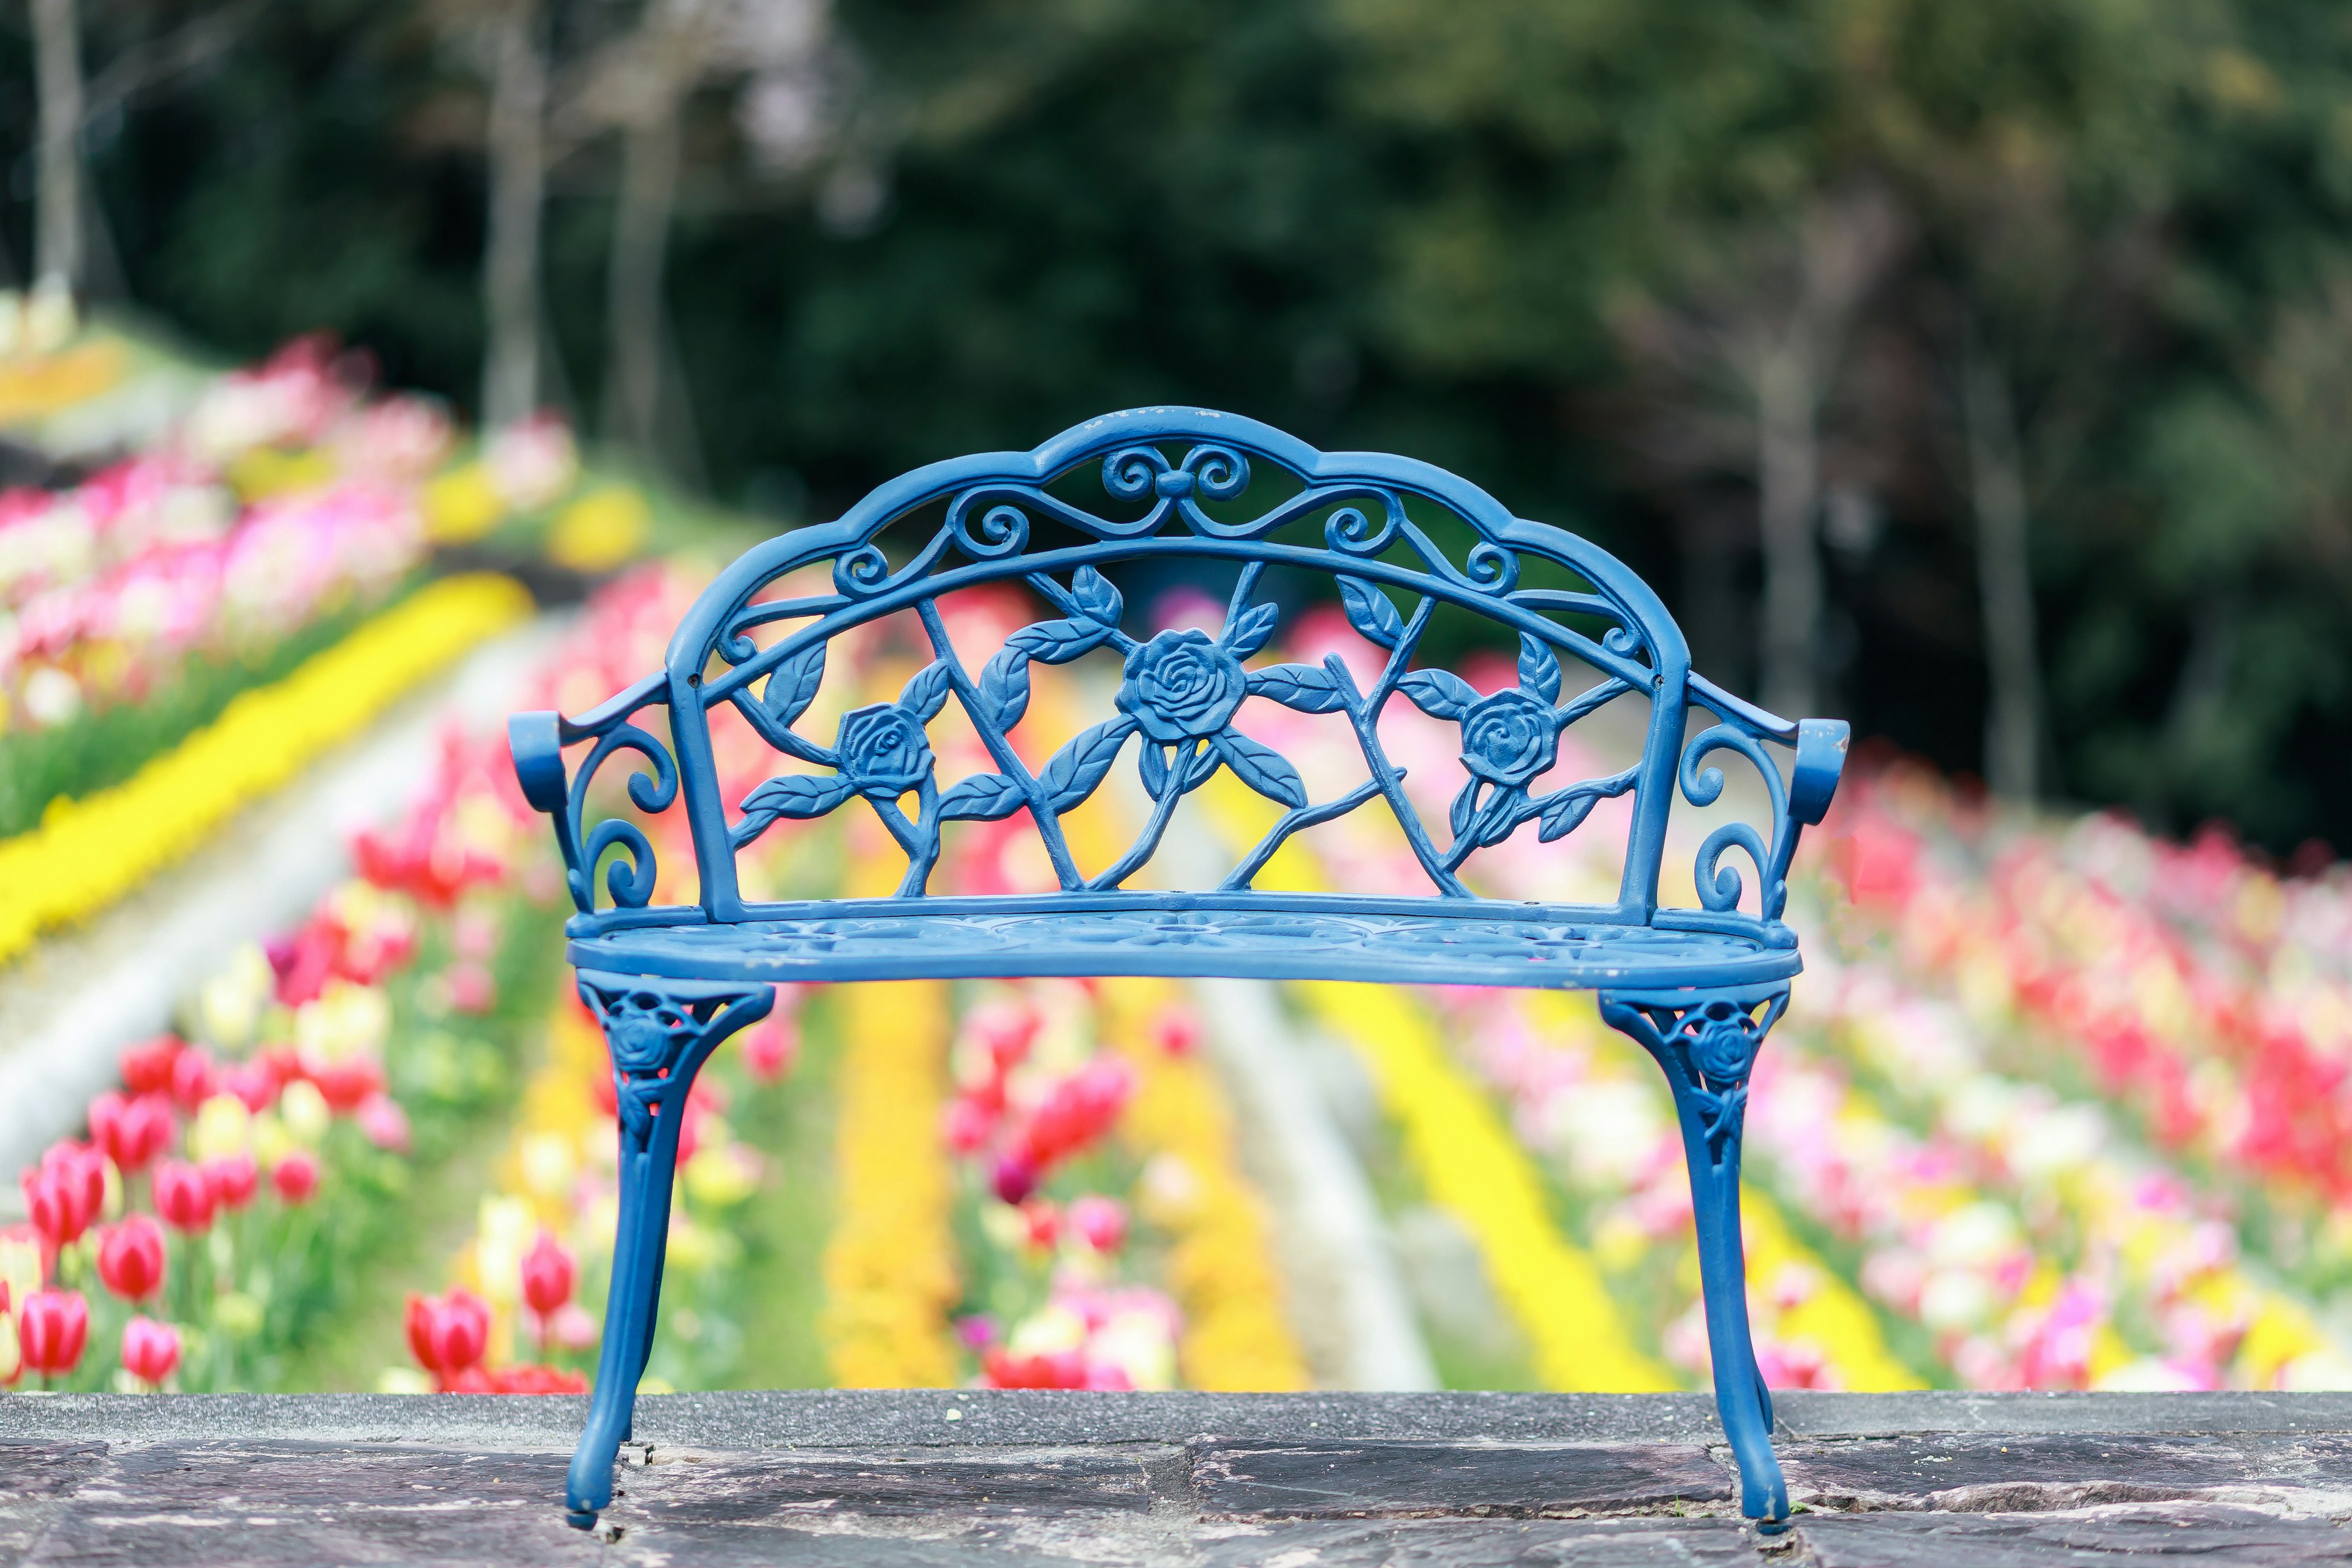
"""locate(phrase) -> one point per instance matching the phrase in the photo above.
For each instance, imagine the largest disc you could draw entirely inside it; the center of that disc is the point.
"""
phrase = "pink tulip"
(150, 1350)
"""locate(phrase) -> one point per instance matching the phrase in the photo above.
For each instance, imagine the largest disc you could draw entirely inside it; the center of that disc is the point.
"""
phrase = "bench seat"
(1255, 935)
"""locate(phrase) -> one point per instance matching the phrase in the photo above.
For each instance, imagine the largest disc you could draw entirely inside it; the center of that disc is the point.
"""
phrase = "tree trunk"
(2012, 743)
(634, 310)
(57, 50)
(1788, 467)
(518, 180)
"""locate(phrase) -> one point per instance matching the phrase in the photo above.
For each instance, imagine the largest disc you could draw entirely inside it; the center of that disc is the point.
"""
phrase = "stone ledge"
(1064, 1478)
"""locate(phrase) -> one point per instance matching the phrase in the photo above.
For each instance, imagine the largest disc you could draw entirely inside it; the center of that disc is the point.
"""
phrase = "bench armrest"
(1821, 758)
(536, 739)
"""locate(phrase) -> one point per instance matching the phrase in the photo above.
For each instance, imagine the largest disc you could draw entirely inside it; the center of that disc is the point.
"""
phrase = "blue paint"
(1699, 989)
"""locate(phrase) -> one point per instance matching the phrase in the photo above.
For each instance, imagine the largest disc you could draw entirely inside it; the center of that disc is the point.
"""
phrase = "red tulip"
(84, 1169)
(346, 1084)
(131, 1132)
(194, 1078)
(1044, 1220)
(147, 1065)
(1099, 1222)
(183, 1196)
(1178, 1032)
(528, 1379)
(150, 1350)
(51, 1329)
(448, 1333)
(130, 1258)
(548, 1270)
(295, 1177)
(231, 1179)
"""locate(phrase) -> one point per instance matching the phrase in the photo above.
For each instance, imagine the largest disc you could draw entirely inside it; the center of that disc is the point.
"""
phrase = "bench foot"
(1707, 1042)
(659, 1033)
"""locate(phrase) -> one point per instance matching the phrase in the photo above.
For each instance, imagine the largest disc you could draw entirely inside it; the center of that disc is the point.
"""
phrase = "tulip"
(536, 1380)
(1099, 1222)
(193, 1076)
(53, 1202)
(548, 1272)
(231, 1178)
(383, 1122)
(251, 1082)
(1014, 1179)
(1179, 1033)
(1004, 1029)
(347, 1084)
(150, 1350)
(966, 1124)
(295, 1177)
(573, 1327)
(130, 1258)
(1044, 1222)
(471, 988)
(183, 1196)
(447, 1334)
(52, 1327)
(771, 1047)
(133, 1131)
(147, 1065)
(83, 1171)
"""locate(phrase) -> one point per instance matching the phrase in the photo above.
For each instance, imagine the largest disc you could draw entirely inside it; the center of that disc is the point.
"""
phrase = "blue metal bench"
(1698, 988)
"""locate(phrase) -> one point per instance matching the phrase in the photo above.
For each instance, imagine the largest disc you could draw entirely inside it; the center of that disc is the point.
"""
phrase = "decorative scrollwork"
(1182, 694)
(658, 1034)
(537, 742)
(1719, 886)
(1707, 1044)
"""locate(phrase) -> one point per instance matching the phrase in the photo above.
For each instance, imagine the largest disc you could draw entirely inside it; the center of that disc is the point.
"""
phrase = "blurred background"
(1975, 372)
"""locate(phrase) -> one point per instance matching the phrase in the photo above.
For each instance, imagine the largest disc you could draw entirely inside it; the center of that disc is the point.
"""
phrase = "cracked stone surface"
(1215, 1481)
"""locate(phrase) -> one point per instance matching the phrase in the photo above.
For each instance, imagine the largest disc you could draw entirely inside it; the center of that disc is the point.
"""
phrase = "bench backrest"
(1403, 541)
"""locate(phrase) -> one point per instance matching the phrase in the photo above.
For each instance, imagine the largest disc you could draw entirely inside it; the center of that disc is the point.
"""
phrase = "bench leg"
(1707, 1042)
(659, 1033)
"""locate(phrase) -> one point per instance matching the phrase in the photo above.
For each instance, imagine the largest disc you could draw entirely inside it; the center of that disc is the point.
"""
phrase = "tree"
(640, 85)
(56, 53)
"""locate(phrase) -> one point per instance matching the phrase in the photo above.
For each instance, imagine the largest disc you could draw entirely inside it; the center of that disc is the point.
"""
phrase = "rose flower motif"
(882, 751)
(1510, 737)
(1724, 1049)
(1183, 685)
(641, 1037)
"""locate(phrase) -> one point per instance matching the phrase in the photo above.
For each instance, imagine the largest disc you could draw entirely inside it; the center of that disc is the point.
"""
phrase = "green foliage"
(1432, 227)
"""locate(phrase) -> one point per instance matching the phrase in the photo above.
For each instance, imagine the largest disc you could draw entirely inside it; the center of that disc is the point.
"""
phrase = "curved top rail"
(1180, 690)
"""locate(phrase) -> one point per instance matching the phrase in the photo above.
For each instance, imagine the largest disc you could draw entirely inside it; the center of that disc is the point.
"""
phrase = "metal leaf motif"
(1079, 768)
(1250, 630)
(983, 797)
(1306, 687)
(1262, 768)
(792, 685)
(1539, 668)
(927, 693)
(1440, 693)
(1094, 595)
(1371, 612)
(1155, 771)
(797, 795)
